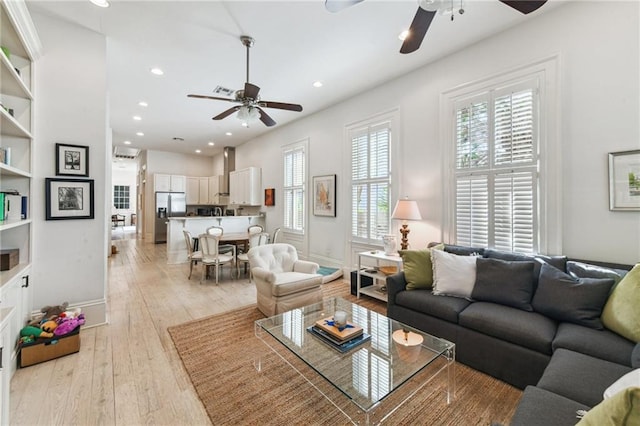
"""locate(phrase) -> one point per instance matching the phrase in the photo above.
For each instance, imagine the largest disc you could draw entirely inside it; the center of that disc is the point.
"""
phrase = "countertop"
(207, 217)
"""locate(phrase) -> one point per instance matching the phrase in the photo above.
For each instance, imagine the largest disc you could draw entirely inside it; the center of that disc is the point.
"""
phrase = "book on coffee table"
(343, 346)
(348, 332)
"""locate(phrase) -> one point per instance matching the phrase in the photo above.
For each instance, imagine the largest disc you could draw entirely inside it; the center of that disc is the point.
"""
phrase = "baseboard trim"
(95, 312)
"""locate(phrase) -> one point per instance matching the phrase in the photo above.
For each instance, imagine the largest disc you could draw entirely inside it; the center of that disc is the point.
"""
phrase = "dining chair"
(276, 235)
(211, 256)
(218, 231)
(193, 256)
(255, 240)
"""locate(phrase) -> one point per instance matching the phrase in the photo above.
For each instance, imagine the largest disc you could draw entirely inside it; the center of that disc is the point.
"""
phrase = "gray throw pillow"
(464, 250)
(586, 270)
(564, 298)
(504, 282)
(635, 356)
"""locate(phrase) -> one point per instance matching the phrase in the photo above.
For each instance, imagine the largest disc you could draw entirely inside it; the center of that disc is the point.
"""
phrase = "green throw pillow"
(621, 313)
(418, 268)
(622, 409)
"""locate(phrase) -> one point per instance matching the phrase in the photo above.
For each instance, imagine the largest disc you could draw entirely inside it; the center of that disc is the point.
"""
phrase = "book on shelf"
(340, 346)
(349, 332)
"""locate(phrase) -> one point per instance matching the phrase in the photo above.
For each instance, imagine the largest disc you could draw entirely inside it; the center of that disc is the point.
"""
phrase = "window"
(121, 196)
(370, 181)
(294, 187)
(496, 168)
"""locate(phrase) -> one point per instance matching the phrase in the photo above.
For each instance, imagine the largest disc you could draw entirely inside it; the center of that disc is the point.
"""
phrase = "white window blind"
(293, 188)
(496, 169)
(370, 181)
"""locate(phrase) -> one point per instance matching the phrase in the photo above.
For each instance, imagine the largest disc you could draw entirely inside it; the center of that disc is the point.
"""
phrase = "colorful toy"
(49, 326)
(67, 325)
(50, 312)
(34, 332)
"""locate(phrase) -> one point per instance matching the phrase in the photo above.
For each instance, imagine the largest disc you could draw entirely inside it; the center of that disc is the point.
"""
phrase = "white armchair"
(283, 282)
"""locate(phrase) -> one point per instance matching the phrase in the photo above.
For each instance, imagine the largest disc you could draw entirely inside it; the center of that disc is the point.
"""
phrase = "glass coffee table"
(377, 376)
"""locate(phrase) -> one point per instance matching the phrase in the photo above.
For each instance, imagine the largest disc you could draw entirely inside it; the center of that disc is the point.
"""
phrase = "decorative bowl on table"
(388, 270)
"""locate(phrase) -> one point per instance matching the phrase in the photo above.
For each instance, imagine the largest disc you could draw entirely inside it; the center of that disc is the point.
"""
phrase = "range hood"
(229, 165)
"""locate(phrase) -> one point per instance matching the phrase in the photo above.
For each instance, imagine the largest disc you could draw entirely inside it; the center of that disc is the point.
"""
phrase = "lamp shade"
(406, 210)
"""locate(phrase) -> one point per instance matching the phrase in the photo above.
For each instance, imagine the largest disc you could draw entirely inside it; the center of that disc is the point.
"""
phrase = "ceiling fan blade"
(226, 113)
(281, 105)
(334, 6)
(417, 31)
(524, 6)
(211, 97)
(264, 117)
(251, 91)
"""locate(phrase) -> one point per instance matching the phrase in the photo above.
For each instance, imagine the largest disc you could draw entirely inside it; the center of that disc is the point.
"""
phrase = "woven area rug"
(221, 368)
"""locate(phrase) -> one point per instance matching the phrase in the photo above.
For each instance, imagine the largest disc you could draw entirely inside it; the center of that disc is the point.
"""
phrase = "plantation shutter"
(370, 169)
(294, 182)
(496, 163)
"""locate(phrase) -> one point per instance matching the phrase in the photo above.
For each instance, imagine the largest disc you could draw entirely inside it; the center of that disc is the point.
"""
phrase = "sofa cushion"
(564, 298)
(464, 250)
(294, 282)
(586, 270)
(621, 409)
(528, 329)
(417, 267)
(568, 368)
(558, 262)
(621, 313)
(635, 356)
(444, 307)
(453, 275)
(539, 407)
(504, 282)
(603, 344)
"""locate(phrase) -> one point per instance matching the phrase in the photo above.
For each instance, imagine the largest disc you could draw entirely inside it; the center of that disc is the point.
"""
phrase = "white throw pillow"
(453, 275)
(629, 380)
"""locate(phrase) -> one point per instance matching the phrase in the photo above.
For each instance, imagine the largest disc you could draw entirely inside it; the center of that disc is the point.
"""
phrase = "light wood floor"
(128, 372)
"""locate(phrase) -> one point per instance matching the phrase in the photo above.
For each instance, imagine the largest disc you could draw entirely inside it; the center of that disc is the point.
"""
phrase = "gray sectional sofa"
(552, 345)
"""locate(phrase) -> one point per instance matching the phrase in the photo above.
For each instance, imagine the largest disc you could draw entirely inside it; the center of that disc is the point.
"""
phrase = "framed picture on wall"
(72, 160)
(324, 195)
(624, 181)
(270, 197)
(68, 199)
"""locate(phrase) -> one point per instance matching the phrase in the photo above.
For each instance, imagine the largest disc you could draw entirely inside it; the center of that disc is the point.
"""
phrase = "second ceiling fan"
(426, 11)
(251, 105)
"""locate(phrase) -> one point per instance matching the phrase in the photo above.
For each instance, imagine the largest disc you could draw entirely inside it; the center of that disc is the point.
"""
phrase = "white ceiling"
(197, 45)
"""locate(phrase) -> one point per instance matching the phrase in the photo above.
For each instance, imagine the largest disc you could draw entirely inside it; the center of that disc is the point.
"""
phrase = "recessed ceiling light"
(403, 35)
(157, 71)
(100, 3)
(211, 144)
(317, 84)
(137, 117)
(143, 104)
(198, 151)
(228, 133)
(127, 142)
(140, 134)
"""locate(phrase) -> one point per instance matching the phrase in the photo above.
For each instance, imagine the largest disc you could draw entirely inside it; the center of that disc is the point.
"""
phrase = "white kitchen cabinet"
(197, 192)
(169, 183)
(245, 186)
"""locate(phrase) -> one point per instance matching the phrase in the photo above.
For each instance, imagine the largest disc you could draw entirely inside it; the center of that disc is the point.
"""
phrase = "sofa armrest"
(263, 275)
(395, 284)
(305, 266)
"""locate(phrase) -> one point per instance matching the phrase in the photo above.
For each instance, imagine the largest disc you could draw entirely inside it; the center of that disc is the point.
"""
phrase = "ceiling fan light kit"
(251, 106)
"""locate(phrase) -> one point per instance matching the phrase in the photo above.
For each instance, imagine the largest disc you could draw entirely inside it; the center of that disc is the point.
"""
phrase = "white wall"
(69, 256)
(599, 110)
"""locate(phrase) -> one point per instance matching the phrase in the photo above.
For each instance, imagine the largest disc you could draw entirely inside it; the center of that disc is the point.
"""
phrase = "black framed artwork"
(68, 199)
(72, 160)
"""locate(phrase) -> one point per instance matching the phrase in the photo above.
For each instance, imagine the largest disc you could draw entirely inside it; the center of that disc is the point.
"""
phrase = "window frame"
(549, 202)
(119, 197)
(297, 146)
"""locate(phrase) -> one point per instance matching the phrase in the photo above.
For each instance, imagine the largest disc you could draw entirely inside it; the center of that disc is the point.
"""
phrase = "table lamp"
(406, 210)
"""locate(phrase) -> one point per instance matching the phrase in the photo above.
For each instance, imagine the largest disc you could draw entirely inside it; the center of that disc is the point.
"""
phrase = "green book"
(2, 206)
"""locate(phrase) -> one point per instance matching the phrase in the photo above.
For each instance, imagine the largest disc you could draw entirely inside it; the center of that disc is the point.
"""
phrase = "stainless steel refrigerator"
(168, 204)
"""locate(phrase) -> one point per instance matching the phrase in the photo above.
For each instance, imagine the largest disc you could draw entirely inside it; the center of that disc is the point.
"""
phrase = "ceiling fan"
(426, 11)
(251, 105)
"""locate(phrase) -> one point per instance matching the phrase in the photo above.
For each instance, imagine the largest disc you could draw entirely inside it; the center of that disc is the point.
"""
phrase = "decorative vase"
(389, 243)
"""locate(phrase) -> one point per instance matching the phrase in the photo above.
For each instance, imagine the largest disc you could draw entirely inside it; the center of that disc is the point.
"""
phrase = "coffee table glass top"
(368, 372)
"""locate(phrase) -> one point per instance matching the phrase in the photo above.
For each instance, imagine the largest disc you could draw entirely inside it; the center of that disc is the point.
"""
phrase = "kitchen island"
(196, 225)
